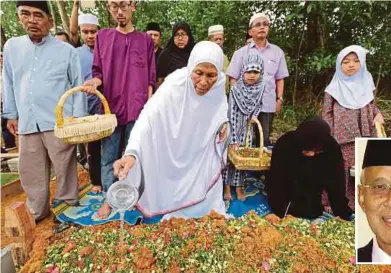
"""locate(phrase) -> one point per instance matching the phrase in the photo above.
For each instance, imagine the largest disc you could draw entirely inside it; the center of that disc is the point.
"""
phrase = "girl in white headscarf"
(177, 147)
(348, 105)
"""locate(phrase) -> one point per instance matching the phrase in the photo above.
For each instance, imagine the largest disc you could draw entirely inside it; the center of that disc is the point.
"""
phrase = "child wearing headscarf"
(244, 103)
(348, 105)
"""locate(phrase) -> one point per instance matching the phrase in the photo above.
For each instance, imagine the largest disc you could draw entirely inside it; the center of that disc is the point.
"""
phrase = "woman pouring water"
(176, 150)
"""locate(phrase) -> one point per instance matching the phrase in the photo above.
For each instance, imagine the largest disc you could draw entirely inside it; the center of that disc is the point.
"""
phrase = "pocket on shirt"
(138, 58)
(271, 67)
(56, 69)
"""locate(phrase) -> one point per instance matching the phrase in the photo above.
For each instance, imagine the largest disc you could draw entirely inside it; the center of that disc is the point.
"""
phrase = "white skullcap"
(88, 19)
(258, 15)
(215, 30)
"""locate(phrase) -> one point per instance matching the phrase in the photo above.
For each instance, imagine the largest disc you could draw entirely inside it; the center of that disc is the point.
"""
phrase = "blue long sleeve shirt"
(35, 76)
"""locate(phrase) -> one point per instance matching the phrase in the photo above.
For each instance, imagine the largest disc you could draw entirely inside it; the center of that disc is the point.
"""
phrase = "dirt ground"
(43, 226)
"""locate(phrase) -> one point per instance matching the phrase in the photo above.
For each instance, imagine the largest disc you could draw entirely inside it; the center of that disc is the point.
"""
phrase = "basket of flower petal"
(248, 158)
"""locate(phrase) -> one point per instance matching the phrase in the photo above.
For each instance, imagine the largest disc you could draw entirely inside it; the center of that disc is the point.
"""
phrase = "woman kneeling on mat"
(304, 163)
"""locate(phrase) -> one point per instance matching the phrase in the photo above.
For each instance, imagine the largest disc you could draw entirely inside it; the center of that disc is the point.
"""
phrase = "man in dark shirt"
(374, 194)
(153, 29)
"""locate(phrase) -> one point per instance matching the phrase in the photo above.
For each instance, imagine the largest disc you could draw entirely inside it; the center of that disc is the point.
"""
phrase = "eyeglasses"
(260, 24)
(378, 189)
(123, 6)
(181, 35)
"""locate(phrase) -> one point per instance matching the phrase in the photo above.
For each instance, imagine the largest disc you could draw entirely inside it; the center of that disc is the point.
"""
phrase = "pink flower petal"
(352, 260)
(266, 265)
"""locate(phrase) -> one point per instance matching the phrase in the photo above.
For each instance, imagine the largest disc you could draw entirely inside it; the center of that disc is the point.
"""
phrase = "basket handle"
(256, 121)
(380, 130)
(60, 104)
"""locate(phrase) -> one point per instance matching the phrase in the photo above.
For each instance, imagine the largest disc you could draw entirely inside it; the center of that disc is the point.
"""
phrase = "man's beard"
(122, 24)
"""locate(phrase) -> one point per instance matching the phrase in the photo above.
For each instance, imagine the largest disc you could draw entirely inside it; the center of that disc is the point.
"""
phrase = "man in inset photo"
(374, 194)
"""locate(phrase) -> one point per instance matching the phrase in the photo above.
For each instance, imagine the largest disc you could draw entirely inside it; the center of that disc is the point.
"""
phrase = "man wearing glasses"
(375, 200)
(275, 70)
(124, 69)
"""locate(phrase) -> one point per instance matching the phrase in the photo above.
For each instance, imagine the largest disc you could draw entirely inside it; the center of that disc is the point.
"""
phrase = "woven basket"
(247, 158)
(83, 129)
(380, 130)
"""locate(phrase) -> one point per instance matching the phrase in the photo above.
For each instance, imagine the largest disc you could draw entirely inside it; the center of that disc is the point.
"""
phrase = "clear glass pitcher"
(122, 196)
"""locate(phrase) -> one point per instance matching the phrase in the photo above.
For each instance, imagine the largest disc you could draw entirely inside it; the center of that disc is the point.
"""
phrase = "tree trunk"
(320, 33)
(53, 15)
(378, 80)
(63, 14)
(297, 67)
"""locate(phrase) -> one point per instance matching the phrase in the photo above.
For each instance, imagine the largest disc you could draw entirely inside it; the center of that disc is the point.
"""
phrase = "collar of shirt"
(44, 40)
(87, 47)
(252, 44)
(378, 255)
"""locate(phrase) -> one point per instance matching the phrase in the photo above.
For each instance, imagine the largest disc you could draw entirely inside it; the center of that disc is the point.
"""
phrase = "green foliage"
(311, 33)
(319, 61)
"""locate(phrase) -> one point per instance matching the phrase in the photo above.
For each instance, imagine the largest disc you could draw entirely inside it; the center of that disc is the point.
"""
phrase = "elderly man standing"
(89, 26)
(216, 35)
(275, 70)
(38, 69)
(374, 194)
(124, 65)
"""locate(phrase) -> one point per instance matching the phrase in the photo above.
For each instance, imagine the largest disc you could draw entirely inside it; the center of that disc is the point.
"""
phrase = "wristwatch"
(280, 98)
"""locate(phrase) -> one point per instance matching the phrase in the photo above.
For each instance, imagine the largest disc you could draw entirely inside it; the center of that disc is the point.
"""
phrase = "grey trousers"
(36, 152)
(266, 120)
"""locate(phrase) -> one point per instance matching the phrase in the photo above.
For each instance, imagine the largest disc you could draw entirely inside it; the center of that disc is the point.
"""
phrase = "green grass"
(8, 177)
(291, 116)
(385, 107)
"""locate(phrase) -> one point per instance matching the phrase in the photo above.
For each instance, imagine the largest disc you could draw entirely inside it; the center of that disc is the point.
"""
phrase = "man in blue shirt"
(38, 69)
(89, 26)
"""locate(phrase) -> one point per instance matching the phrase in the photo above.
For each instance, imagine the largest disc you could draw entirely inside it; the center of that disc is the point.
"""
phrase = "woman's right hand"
(123, 166)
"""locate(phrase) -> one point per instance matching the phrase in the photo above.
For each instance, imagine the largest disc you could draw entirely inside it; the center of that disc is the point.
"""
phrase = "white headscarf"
(174, 139)
(356, 91)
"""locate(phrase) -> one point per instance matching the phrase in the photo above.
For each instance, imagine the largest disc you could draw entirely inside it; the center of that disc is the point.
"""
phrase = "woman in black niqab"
(304, 163)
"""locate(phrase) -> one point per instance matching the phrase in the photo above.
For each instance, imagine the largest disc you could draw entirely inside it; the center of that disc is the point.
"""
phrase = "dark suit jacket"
(364, 254)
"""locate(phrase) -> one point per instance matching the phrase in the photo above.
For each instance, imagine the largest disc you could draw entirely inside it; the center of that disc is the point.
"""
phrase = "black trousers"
(94, 152)
(91, 155)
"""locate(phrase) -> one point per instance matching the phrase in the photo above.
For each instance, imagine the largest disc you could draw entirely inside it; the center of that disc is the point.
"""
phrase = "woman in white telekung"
(177, 147)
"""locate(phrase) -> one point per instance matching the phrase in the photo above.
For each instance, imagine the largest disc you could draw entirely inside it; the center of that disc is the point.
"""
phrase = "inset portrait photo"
(373, 207)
